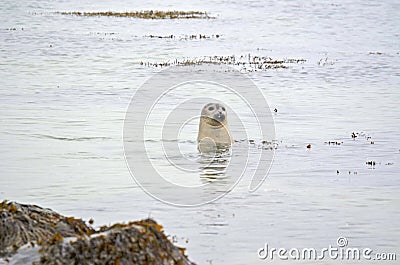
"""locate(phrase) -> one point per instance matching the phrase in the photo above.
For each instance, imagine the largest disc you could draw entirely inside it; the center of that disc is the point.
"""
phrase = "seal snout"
(219, 116)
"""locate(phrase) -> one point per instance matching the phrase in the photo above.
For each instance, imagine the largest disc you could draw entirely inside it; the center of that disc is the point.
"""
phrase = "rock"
(31, 234)
(21, 224)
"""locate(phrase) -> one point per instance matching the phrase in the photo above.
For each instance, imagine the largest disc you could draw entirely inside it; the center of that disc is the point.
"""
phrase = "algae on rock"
(42, 236)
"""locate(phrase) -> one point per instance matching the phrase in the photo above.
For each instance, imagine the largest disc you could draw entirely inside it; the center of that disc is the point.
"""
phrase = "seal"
(213, 128)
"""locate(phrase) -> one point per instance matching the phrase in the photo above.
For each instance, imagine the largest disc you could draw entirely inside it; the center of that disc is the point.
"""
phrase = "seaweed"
(184, 37)
(20, 224)
(59, 239)
(246, 63)
(147, 14)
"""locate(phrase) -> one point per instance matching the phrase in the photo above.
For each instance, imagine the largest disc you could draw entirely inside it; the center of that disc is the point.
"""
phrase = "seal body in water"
(213, 128)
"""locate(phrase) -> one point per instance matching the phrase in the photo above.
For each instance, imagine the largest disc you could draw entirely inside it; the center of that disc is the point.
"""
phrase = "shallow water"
(66, 82)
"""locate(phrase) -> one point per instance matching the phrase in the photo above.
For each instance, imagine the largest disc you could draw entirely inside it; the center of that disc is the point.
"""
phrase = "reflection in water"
(213, 164)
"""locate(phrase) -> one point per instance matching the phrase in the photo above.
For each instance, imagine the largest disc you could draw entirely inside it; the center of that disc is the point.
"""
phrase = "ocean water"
(66, 83)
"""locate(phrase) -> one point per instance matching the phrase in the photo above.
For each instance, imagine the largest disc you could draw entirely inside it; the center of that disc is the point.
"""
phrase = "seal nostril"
(219, 116)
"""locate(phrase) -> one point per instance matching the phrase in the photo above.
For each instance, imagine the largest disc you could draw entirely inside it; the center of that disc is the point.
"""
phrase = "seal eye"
(211, 108)
(223, 109)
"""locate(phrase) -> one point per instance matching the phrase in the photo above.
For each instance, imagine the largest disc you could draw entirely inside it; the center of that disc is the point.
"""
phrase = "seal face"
(213, 128)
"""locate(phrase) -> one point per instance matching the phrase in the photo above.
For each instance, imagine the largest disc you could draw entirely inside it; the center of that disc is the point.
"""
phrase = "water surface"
(66, 82)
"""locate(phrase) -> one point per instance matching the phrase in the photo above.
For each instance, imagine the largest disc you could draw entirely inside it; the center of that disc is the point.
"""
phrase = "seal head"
(213, 128)
(214, 114)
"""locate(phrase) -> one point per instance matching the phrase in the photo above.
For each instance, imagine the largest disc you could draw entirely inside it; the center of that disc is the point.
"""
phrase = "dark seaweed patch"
(147, 14)
(246, 63)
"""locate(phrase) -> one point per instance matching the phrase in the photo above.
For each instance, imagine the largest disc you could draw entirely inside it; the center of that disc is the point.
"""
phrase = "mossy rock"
(42, 236)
